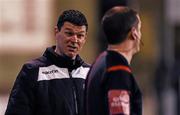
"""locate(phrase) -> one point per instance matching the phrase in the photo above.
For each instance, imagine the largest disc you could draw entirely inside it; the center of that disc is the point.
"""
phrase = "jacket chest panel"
(54, 72)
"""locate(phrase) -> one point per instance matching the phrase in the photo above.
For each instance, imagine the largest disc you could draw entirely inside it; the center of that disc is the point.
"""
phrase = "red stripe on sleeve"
(119, 67)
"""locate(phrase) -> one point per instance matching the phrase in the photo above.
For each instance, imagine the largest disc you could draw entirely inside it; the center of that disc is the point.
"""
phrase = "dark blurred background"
(27, 28)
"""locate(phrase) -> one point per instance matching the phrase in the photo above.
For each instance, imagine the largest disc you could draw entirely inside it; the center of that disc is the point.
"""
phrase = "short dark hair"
(72, 16)
(117, 22)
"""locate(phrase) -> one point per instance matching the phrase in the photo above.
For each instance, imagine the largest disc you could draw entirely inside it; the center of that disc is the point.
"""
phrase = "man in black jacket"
(53, 84)
(111, 88)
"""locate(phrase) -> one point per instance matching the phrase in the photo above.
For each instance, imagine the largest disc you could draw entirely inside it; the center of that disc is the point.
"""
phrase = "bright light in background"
(24, 24)
(172, 10)
(3, 103)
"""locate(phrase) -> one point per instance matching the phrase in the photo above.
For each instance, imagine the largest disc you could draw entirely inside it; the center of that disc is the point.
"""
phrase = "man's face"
(138, 34)
(70, 39)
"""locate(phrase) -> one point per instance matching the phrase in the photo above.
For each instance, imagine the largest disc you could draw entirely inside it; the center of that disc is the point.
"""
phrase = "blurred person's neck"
(123, 49)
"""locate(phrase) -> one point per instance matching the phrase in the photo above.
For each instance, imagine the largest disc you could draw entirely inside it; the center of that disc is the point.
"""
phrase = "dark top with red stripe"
(111, 72)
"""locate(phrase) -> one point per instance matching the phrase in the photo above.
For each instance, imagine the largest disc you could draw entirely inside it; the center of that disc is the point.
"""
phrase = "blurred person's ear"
(134, 33)
(56, 30)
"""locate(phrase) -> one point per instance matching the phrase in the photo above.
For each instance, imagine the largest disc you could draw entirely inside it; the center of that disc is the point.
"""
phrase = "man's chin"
(71, 55)
(137, 51)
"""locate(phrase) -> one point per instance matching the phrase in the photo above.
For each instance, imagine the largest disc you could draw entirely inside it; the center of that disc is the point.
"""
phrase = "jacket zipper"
(74, 95)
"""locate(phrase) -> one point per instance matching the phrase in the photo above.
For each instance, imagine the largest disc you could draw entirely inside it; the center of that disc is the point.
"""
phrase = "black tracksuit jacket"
(49, 85)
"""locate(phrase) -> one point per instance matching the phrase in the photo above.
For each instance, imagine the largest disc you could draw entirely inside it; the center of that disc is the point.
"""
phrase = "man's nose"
(74, 38)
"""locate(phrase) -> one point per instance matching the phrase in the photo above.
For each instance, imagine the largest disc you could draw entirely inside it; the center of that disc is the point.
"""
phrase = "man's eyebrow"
(73, 31)
(68, 29)
(82, 32)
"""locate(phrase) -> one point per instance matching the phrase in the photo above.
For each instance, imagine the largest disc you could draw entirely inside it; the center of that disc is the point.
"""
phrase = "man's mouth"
(72, 48)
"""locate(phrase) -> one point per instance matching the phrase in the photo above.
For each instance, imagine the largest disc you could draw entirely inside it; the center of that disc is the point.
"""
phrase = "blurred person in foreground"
(53, 84)
(111, 88)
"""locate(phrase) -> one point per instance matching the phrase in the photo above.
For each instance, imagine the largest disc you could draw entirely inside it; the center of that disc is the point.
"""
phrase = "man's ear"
(56, 30)
(134, 33)
(86, 35)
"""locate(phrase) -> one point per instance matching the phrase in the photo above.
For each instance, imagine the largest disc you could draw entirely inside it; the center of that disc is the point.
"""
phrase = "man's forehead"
(73, 27)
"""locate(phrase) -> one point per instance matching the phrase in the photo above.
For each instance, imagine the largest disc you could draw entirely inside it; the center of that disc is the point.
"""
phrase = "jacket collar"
(62, 61)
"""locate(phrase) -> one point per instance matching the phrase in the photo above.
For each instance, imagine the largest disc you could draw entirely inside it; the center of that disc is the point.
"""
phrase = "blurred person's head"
(70, 33)
(122, 26)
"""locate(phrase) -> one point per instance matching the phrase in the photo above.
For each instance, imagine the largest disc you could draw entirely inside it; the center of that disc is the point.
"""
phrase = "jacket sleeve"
(22, 98)
(118, 91)
(123, 94)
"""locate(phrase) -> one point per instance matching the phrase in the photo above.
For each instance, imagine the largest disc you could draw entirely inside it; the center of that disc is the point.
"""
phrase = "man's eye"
(80, 35)
(69, 33)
